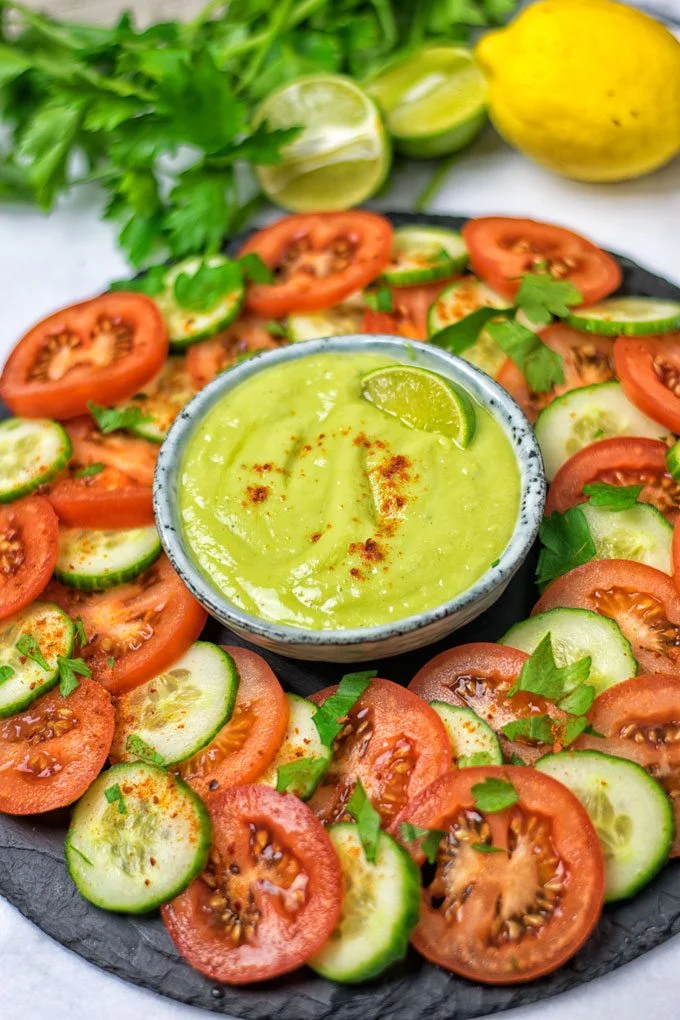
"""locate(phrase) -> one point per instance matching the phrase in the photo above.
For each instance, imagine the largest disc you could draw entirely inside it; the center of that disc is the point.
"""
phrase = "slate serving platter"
(33, 874)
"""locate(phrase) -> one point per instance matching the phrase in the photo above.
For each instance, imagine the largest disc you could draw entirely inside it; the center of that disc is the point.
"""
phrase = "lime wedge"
(422, 400)
(434, 100)
(342, 155)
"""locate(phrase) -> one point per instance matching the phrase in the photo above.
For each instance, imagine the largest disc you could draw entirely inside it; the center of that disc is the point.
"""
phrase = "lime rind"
(422, 400)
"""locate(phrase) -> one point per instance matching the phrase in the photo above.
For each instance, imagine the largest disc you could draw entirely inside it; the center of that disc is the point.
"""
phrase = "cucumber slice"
(673, 461)
(186, 327)
(301, 741)
(576, 633)
(54, 634)
(95, 560)
(631, 813)
(470, 736)
(346, 317)
(140, 845)
(380, 907)
(162, 399)
(181, 710)
(627, 316)
(424, 254)
(641, 534)
(584, 415)
(460, 299)
(32, 452)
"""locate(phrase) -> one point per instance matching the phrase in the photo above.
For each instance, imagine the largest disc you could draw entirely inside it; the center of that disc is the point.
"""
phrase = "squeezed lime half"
(342, 155)
(434, 100)
(422, 400)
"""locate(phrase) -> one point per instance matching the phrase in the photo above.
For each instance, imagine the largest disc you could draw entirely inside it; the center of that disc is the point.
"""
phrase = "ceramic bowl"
(363, 643)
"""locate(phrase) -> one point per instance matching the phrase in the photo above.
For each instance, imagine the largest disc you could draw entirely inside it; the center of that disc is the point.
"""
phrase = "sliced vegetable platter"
(33, 875)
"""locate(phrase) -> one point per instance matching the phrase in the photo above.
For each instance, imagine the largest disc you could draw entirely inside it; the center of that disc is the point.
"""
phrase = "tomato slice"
(119, 495)
(640, 719)
(29, 546)
(392, 741)
(478, 676)
(649, 370)
(505, 918)
(410, 306)
(103, 350)
(502, 248)
(587, 360)
(207, 359)
(51, 752)
(270, 896)
(247, 745)
(622, 460)
(642, 600)
(317, 260)
(135, 630)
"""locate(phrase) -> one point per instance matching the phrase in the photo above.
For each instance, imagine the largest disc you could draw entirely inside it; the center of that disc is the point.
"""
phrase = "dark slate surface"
(33, 877)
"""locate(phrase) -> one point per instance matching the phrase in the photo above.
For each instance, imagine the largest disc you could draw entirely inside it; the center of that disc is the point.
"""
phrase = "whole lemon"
(589, 88)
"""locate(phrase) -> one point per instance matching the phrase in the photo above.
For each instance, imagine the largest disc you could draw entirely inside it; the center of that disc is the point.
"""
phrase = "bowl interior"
(487, 393)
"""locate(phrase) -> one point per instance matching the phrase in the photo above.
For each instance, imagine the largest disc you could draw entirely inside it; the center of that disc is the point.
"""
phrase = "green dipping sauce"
(306, 505)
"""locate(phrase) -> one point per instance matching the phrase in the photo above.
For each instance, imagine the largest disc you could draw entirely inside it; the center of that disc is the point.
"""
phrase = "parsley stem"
(435, 182)
(276, 26)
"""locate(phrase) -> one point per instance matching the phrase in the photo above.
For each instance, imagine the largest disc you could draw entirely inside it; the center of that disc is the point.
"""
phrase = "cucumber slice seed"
(186, 327)
(95, 560)
(162, 399)
(576, 633)
(584, 415)
(641, 534)
(32, 452)
(425, 254)
(470, 736)
(53, 632)
(380, 908)
(182, 709)
(141, 845)
(632, 815)
(340, 320)
(301, 740)
(627, 316)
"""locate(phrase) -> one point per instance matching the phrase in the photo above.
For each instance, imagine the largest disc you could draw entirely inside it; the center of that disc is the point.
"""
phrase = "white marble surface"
(45, 263)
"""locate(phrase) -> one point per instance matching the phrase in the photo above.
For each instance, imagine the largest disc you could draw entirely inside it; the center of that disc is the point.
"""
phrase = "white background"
(48, 262)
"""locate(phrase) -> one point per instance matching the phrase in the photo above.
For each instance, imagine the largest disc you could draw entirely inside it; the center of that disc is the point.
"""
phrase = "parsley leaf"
(379, 300)
(110, 662)
(253, 268)
(533, 727)
(367, 819)
(457, 337)
(428, 839)
(89, 470)
(567, 543)
(112, 419)
(114, 795)
(542, 367)
(203, 290)
(540, 674)
(80, 632)
(593, 732)
(327, 716)
(152, 282)
(5, 673)
(488, 848)
(578, 701)
(571, 729)
(516, 760)
(613, 497)
(301, 775)
(275, 328)
(541, 297)
(145, 752)
(69, 671)
(29, 647)
(494, 795)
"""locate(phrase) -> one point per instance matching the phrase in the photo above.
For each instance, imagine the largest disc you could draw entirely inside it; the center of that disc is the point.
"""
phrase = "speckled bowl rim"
(484, 389)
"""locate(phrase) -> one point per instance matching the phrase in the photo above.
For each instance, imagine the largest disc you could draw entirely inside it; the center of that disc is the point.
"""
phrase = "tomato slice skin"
(248, 743)
(642, 600)
(285, 908)
(103, 350)
(639, 719)
(478, 676)
(587, 360)
(320, 258)
(389, 725)
(622, 460)
(51, 752)
(503, 248)
(135, 630)
(208, 358)
(464, 942)
(119, 496)
(649, 370)
(30, 538)
(410, 306)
